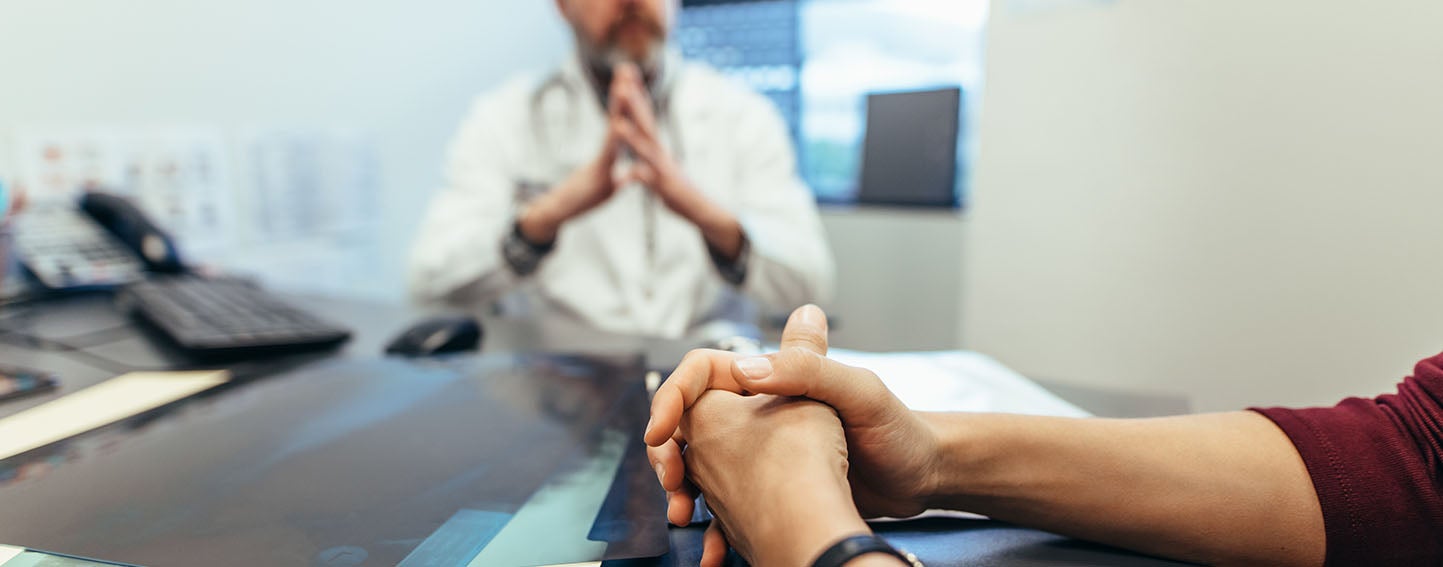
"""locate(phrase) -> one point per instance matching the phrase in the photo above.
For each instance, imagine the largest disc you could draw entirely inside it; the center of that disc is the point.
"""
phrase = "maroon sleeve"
(1376, 467)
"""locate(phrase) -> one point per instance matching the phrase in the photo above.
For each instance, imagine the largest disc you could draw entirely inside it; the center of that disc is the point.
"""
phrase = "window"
(756, 41)
(818, 60)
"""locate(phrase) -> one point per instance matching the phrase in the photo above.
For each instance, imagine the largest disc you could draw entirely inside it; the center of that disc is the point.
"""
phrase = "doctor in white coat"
(629, 189)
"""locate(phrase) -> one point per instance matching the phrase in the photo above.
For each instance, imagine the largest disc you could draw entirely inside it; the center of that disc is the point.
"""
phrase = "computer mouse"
(437, 335)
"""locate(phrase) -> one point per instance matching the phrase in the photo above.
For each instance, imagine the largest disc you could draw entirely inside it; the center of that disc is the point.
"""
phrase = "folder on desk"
(958, 380)
(100, 405)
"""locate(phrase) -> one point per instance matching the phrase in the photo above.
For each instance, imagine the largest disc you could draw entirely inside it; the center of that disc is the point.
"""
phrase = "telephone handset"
(134, 229)
(105, 242)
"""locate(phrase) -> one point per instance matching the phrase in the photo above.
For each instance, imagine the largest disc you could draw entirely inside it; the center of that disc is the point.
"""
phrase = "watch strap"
(523, 255)
(844, 551)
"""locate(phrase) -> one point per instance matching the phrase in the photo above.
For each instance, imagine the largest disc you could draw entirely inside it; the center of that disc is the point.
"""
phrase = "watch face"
(523, 258)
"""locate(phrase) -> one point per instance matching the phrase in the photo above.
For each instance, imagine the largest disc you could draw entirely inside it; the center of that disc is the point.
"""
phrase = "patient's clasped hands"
(791, 449)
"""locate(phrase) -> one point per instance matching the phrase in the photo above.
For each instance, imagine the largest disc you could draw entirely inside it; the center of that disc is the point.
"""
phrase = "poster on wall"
(280, 203)
(179, 175)
(55, 164)
(305, 184)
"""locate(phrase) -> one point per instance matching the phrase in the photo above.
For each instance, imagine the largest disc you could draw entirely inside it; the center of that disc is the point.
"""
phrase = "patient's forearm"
(1222, 489)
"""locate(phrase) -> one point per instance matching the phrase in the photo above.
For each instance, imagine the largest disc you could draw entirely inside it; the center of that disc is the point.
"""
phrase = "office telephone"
(103, 241)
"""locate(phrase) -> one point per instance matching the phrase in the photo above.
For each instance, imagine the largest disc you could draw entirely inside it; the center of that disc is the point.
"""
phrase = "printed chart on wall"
(229, 197)
(179, 176)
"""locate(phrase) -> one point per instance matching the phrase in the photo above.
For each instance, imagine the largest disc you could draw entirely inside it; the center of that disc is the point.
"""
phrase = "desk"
(84, 341)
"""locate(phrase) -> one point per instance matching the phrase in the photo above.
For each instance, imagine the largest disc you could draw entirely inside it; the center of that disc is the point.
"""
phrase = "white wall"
(897, 278)
(403, 71)
(1238, 200)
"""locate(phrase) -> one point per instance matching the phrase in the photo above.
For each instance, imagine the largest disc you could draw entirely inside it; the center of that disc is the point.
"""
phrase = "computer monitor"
(909, 154)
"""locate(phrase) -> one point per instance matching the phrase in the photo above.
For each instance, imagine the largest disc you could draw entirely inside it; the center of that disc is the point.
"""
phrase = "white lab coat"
(524, 138)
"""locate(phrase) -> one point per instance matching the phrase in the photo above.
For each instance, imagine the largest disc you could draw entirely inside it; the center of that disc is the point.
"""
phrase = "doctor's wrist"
(539, 222)
(721, 230)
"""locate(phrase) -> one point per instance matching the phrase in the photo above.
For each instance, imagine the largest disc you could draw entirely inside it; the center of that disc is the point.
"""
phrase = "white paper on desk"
(7, 553)
(100, 405)
(958, 381)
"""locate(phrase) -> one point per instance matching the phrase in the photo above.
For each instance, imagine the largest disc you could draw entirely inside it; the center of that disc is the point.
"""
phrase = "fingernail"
(812, 315)
(756, 367)
(660, 473)
(647, 432)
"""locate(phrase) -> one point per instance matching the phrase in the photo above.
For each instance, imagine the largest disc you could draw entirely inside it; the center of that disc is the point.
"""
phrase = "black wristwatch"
(523, 255)
(842, 552)
(733, 271)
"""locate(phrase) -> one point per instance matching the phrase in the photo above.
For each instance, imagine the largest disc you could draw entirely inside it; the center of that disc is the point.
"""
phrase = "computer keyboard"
(226, 316)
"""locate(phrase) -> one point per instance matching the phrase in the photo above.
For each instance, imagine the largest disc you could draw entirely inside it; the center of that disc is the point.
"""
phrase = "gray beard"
(608, 57)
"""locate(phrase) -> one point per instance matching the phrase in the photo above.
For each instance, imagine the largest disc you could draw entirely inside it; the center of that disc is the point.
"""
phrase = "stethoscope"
(661, 97)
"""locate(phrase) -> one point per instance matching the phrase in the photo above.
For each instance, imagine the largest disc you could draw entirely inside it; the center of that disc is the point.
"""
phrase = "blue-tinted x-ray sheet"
(360, 463)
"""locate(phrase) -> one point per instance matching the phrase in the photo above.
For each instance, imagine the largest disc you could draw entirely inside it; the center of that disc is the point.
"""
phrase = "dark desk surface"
(84, 341)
